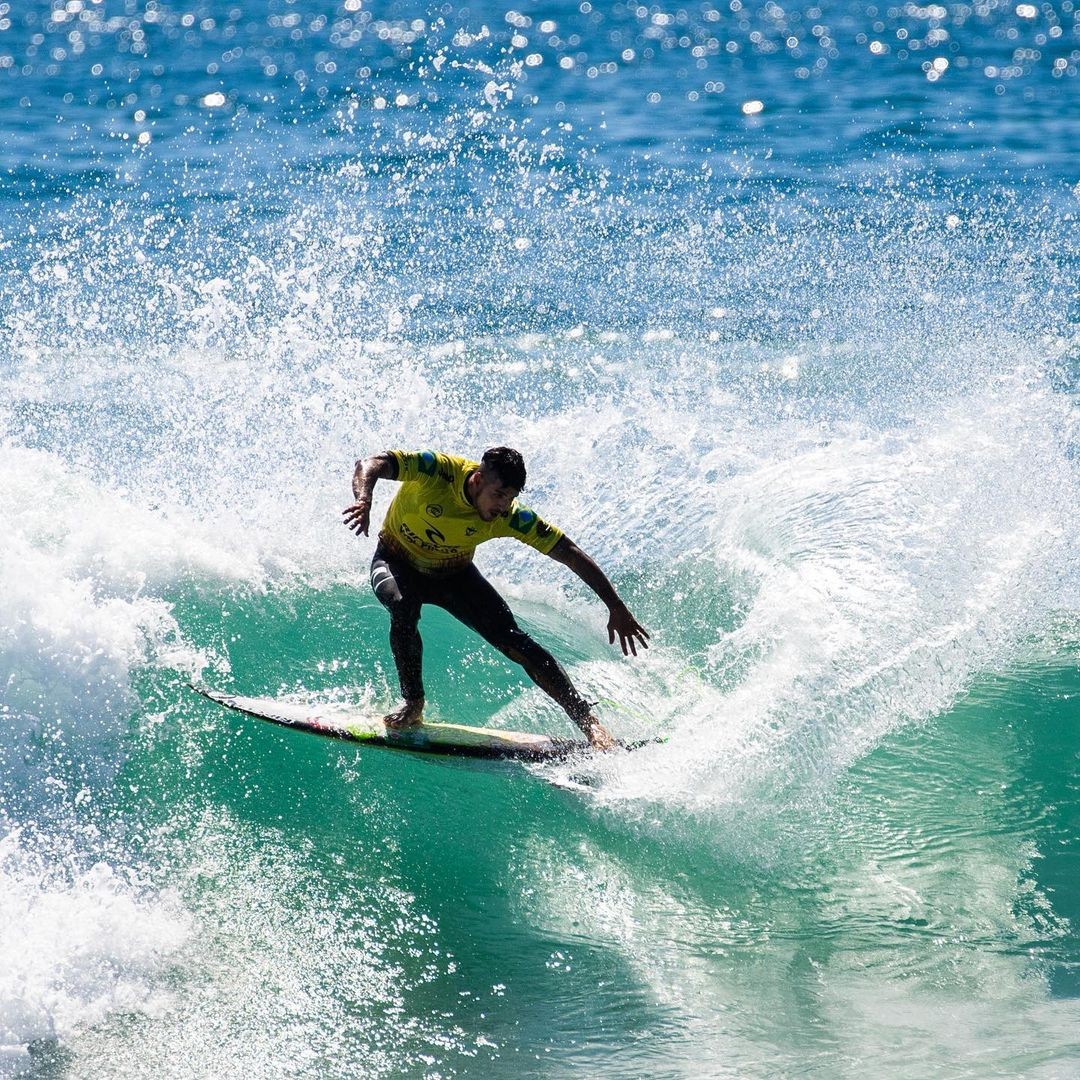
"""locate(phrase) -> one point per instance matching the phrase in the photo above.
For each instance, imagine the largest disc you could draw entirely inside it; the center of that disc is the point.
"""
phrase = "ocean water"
(780, 303)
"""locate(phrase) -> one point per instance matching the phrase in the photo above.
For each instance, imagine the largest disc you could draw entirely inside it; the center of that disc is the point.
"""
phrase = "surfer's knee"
(385, 586)
(404, 611)
(524, 650)
(546, 672)
(514, 644)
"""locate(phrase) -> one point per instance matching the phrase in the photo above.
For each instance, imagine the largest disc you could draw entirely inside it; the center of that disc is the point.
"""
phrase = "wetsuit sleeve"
(530, 528)
(424, 465)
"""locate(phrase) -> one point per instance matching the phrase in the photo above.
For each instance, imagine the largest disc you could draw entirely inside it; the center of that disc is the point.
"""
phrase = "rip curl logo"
(522, 520)
(432, 544)
(434, 510)
(470, 531)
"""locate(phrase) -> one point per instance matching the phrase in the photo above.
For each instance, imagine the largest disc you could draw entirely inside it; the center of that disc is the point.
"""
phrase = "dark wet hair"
(507, 464)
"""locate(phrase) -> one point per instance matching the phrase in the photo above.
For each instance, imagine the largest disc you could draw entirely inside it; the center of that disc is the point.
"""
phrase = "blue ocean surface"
(780, 304)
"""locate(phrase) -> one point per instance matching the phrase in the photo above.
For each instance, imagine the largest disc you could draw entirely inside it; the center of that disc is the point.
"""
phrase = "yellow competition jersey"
(434, 525)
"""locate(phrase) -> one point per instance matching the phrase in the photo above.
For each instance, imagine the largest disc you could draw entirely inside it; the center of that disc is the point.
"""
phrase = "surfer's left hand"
(631, 632)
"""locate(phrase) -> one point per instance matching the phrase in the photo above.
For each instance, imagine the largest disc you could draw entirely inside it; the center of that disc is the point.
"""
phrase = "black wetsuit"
(470, 598)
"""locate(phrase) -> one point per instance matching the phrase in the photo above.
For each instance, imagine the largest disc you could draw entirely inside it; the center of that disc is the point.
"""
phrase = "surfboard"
(449, 740)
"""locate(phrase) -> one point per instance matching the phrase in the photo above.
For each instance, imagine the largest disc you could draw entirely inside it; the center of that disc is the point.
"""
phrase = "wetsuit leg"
(472, 599)
(398, 590)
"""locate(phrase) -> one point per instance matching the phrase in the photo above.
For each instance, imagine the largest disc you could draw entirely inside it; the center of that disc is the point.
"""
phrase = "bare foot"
(408, 716)
(598, 735)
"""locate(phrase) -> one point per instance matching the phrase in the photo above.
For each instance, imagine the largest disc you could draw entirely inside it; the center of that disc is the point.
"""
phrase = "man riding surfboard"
(445, 507)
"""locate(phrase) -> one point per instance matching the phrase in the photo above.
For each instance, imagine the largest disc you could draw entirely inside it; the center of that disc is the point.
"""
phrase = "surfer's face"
(490, 495)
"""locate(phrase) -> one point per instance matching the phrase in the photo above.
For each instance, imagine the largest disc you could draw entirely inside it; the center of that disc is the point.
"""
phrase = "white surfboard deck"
(452, 740)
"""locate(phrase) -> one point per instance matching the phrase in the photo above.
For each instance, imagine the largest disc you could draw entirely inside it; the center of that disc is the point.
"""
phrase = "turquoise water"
(780, 305)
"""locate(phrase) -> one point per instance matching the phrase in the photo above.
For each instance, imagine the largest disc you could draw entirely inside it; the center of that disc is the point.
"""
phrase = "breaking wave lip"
(84, 576)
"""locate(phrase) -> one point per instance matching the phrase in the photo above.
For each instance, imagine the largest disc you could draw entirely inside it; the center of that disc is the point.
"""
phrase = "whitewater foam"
(79, 941)
(886, 570)
(82, 578)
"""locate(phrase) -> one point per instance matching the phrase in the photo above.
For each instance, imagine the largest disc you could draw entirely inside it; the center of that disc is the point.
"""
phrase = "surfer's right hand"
(358, 516)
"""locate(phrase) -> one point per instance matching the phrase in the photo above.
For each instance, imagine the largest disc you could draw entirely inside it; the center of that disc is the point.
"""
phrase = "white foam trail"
(885, 571)
(295, 968)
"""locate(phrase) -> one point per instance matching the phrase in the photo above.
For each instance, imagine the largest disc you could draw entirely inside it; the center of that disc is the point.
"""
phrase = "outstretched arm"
(620, 621)
(368, 470)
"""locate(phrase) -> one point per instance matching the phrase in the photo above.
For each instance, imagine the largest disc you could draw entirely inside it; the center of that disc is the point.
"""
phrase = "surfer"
(444, 508)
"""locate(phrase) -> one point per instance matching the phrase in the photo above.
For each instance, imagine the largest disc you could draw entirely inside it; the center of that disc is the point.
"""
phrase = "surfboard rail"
(449, 740)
